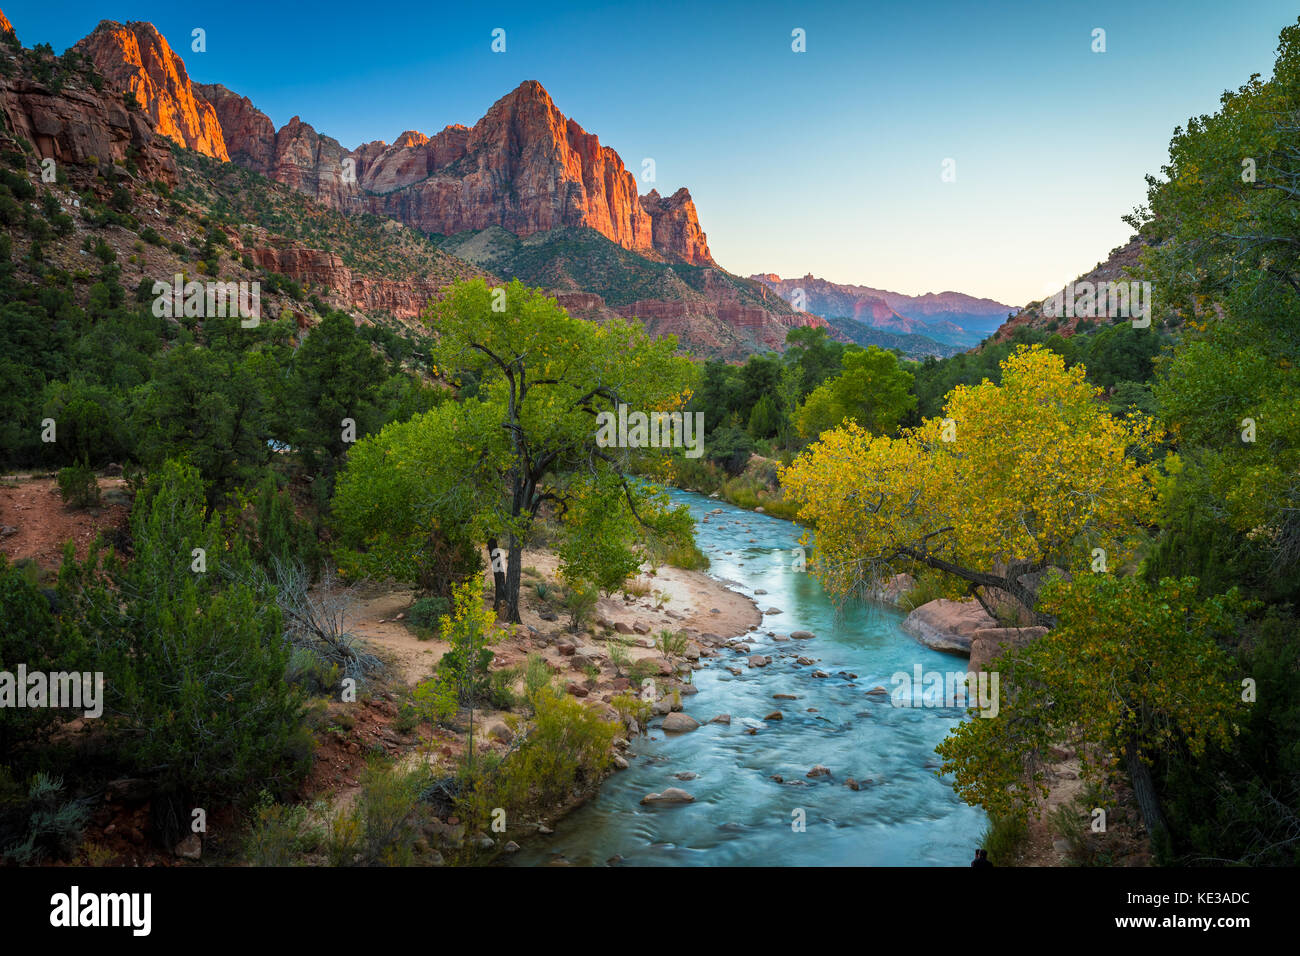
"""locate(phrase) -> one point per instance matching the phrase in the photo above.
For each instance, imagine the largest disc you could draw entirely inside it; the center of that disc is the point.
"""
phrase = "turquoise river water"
(903, 815)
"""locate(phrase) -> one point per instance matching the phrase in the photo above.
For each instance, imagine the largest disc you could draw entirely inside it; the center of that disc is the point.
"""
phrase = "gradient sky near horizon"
(827, 161)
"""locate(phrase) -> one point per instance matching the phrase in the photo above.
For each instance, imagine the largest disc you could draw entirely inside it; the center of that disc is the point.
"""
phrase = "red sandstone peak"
(135, 57)
(249, 133)
(524, 166)
(5, 25)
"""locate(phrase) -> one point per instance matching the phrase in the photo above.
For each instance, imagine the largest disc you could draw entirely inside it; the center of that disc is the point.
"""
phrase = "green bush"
(79, 487)
(428, 612)
(31, 635)
(632, 709)
(383, 824)
(195, 661)
(280, 534)
(307, 670)
(619, 657)
(580, 601)
(567, 748)
(280, 834)
(537, 675)
(1003, 838)
(54, 824)
(501, 689)
(90, 423)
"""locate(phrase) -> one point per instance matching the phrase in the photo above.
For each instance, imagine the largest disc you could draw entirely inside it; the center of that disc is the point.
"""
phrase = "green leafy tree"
(1129, 671)
(1225, 257)
(872, 390)
(765, 419)
(544, 378)
(210, 407)
(406, 505)
(337, 376)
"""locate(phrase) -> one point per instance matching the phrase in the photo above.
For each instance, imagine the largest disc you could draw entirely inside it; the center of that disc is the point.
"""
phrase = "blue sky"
(827, 161)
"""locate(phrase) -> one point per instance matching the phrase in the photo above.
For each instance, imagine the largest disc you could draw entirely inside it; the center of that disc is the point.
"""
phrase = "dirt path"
(375, 619)
(35, 523)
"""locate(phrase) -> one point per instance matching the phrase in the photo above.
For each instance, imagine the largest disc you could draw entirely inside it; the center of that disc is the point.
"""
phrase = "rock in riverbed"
(679, 723)
(671, 795)
(950, 626)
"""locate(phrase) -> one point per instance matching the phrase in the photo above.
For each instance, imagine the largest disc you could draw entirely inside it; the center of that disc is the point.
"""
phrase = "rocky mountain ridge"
(524, 166)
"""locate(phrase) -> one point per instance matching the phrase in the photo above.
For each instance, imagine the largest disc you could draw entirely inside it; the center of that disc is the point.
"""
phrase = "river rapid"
(902, 815)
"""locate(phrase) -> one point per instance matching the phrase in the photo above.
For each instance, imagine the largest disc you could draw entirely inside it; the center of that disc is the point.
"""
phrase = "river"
(903, 815)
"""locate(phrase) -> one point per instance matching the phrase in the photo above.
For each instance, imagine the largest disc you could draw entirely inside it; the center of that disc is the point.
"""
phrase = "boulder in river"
(945, 625)
(679, 723)
(819, 771)
(802, 635)
(671, 795)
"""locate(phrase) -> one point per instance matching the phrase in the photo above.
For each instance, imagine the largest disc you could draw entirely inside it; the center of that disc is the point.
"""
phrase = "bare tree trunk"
(1144, 789)
(514, 565)
(498, 577)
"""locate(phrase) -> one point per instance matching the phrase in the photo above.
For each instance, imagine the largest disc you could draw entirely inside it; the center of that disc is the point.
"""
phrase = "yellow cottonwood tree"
(1014, 478)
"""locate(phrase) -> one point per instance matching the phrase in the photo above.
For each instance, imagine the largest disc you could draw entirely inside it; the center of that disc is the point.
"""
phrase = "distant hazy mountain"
(913, 346)
(951, 318)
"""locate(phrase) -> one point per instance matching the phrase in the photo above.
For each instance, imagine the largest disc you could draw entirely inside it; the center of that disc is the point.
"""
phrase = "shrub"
(195, 662)
(78, 487)
(671, 644)
(640, 670)
(54, 824)
(90, 422)
(1003, 838)
(280, 534)
(30, 634)
(427, 613)
(580, 600)
(280, 834)
(566, 748)
(632, 709)
(383, 824)
(501, 690)
(307, 670)
(619, 657)
(537, 675)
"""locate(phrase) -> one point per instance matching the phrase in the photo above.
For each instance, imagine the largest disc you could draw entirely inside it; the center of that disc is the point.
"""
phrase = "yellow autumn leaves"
(1032, 469)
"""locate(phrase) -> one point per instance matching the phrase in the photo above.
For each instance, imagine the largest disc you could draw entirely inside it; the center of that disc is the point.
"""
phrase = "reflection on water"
(901, 815)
